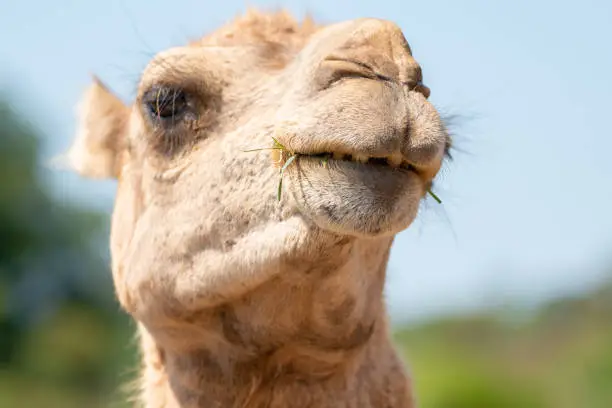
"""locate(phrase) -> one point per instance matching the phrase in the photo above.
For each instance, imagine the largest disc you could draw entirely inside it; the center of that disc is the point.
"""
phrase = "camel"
(242, 300)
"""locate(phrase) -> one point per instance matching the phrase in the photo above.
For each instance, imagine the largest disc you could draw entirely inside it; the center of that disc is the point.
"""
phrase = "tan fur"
(242, 301)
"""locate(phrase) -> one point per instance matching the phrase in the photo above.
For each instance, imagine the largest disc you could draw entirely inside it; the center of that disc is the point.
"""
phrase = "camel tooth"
(361, 158)
(394, 160)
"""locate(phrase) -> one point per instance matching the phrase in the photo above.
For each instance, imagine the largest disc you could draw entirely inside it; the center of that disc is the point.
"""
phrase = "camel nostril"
(419, 87)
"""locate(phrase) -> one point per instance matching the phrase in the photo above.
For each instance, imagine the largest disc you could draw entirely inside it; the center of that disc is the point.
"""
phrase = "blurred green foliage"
(560, 358)
(64, 343)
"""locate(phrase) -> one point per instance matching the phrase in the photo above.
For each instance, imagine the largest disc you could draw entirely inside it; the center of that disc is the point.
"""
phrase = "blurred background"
(500, 297)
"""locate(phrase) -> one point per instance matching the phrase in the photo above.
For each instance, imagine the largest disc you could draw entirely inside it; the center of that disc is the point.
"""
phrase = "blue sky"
(527, 209)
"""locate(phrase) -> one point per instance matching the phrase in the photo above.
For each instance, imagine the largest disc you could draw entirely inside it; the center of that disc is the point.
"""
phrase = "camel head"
(200, 241)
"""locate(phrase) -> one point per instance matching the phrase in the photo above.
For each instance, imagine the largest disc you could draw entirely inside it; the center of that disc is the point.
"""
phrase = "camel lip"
(391, 158)
(391, 161)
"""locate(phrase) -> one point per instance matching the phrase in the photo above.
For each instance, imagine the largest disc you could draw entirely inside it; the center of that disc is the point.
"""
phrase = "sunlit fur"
(241, 300)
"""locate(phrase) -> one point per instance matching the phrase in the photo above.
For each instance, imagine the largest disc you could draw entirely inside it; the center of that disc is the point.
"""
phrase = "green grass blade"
(280, 188)
(324, 161)
(288, 162)
(278, 144)
(263, 148)
(282, 171)
(431, 193)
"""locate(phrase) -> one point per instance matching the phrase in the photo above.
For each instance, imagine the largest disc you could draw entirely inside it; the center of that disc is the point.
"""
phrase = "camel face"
(350, 103)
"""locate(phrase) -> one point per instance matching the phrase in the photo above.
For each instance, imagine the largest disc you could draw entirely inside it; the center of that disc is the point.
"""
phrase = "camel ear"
(101, 133)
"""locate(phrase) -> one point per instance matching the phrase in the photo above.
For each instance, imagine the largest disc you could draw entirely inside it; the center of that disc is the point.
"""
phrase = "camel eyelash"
(165, 103)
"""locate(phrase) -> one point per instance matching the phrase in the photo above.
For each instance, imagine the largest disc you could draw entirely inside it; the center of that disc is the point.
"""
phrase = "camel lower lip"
(355, 198)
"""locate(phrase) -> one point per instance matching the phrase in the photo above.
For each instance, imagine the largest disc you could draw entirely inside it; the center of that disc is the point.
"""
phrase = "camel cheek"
(128, 207)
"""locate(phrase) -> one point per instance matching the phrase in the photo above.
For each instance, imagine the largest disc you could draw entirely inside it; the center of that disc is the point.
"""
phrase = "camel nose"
(381, 45)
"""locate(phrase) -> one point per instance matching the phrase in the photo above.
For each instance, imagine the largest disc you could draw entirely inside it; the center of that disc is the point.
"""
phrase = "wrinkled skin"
(241, 300)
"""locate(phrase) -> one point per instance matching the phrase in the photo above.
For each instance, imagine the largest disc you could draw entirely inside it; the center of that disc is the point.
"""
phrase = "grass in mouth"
(278, 147)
